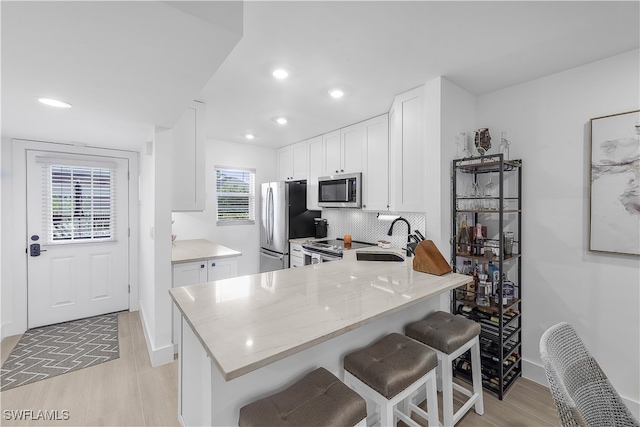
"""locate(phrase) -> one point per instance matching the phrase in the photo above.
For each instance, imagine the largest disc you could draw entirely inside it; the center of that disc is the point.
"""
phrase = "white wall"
(155, 246)
(547, 121)
(202, 225)
(9, 326)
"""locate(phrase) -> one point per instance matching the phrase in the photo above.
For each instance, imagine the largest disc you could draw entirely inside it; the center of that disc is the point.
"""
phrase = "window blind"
(235, 195)
(78, 203)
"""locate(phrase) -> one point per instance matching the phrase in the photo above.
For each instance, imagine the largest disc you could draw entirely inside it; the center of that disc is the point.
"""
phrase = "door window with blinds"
(79, 202)
(235, 195)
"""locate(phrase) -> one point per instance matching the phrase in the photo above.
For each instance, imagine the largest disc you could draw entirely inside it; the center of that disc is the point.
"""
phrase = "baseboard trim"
(158, 356)
(534, 372)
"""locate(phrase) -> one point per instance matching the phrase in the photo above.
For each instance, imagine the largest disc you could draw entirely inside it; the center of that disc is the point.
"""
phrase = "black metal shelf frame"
(507, 332)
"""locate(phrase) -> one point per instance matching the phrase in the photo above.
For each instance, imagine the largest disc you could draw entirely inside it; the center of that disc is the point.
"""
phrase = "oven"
(313, 257)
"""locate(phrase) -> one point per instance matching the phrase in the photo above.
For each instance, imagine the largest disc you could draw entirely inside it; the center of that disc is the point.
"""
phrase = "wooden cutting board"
(429, 259)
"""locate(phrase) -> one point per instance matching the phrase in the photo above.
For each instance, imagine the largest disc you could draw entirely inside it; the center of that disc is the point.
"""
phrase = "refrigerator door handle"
(271, 214)
(266, 254)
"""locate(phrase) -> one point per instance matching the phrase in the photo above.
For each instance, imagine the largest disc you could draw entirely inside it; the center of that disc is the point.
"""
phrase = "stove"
(332, 247)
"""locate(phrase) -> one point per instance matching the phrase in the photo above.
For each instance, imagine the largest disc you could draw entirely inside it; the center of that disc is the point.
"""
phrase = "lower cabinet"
(191, 273)
(296, 258)
(194, 382)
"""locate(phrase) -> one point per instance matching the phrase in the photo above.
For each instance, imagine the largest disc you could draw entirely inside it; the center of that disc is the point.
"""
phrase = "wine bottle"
(464, 243)
(479, 240)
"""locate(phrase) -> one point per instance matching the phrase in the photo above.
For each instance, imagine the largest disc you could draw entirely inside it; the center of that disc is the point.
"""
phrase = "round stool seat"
(391, 364)
(443, 331)
(318, 399)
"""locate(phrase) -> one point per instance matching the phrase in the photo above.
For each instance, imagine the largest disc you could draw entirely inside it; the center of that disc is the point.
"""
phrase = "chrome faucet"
(390, 233)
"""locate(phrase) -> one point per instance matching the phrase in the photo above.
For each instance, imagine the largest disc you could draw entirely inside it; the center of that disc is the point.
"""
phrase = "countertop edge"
(232, 374)
(186, 260)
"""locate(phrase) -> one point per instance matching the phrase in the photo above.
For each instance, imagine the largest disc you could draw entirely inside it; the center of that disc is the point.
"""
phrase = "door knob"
(34, 249)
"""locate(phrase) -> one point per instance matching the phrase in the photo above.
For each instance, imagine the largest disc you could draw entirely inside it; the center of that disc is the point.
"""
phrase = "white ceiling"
(127, 66)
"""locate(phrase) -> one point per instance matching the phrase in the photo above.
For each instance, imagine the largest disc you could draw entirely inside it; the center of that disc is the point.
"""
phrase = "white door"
(77, 212)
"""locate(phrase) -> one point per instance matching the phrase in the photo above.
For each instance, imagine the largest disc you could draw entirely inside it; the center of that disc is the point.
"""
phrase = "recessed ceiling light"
(249, 136)
(54, 103)
(280, 73)
(281, 120)
(336, 93)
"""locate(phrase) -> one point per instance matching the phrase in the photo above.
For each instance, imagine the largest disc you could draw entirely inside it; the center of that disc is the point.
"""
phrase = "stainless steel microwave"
(340, 191)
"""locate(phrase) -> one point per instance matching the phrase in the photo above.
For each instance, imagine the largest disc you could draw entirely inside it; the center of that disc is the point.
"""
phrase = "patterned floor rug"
(57, 349)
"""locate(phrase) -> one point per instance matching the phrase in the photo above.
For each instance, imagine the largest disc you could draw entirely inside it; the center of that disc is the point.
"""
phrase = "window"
(235, 195)
(79, 203)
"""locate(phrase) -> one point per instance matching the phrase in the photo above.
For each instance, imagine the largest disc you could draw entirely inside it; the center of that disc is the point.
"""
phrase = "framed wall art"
(614, 210)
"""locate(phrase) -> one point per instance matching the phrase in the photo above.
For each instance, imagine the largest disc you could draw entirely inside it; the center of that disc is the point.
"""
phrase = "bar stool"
(388, 372)
(318, 399)
(451, 336)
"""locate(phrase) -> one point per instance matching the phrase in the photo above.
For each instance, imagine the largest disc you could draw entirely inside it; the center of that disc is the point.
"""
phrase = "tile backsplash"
(364, 226)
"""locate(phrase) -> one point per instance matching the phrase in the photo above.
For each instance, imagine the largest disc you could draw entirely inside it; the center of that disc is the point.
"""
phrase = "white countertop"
(248, 322)
(199, 250)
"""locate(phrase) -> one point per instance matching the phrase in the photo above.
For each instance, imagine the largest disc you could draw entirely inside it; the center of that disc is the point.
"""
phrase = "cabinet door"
(222, 269)
(407, 152)
(299, 161)
(352, 147)
(188, 161)
(332, 155)
(189, 273)
(296, 262)
(375, 174)
(316, 169)
(285, 164)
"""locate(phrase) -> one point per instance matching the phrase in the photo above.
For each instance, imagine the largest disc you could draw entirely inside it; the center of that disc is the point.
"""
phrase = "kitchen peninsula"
(244, 337)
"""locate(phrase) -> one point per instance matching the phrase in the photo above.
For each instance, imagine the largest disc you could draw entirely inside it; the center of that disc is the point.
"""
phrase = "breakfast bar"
(243, 338)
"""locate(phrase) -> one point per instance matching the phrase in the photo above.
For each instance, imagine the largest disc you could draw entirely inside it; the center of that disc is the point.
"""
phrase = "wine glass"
(461, 141)
(490, 191)
(476, 193)
(504, 145)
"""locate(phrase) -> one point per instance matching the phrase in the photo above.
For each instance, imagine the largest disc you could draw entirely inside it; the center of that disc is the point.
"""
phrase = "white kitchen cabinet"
(407, 153)
(352, 148)
(316, 170)
(343, 150)
(331, 153)
(292, 162)
(188, 161)
(191, 273)
(218, 269)
(375, 172)
(296, 258)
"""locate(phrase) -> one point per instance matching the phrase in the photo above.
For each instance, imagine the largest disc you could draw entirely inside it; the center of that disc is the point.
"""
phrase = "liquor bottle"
(479, 240)
(494, 277)
(464, 243)
(470, 288)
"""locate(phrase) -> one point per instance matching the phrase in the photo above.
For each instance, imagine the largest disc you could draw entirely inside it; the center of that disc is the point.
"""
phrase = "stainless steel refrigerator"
(284, 216)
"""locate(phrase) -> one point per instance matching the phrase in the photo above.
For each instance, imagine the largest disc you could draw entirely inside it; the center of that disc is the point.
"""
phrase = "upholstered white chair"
(582, 393)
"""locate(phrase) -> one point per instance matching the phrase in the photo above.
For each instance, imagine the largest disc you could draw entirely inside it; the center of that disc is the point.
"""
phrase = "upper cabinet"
(188, 172)
(316, 170)
(375, 171)
(407, 152)
(343, 150)
(292, 162)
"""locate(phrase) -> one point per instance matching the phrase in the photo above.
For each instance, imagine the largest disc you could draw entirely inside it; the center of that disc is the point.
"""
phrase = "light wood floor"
(130, 392)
